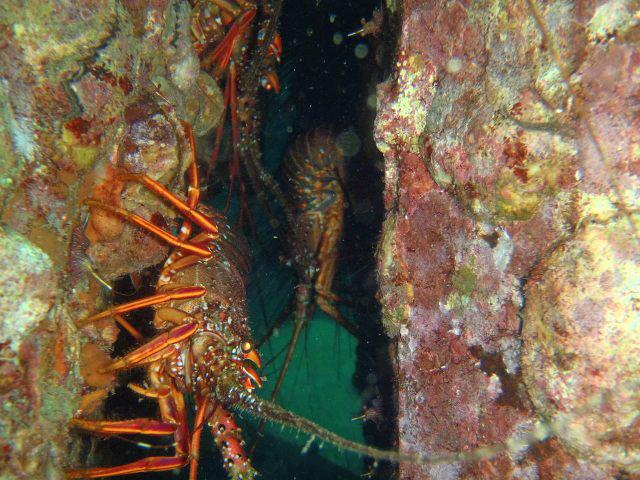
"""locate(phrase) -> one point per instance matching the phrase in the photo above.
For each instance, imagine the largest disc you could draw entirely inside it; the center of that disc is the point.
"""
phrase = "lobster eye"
(246, 347)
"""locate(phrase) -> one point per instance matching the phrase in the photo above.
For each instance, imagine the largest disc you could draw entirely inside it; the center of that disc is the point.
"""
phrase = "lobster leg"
(161, 392)
(178, 294)
(330, 309)
(193, 195)
(127, 326)
(141, 222)
(194, 215)
(301, 318)
(174, 410)
(328, 263)
(145, 426)
(203, 411)
(174, 422)
(157, 344)
(148, 464)
(228, 438)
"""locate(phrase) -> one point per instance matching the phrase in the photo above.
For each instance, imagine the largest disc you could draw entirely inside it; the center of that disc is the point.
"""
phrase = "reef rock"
(508, 262)
(87, 89)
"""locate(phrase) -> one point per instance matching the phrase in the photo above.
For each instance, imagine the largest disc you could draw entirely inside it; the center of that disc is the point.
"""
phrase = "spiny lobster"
(204, 347)
(312, 168)
(223, 31)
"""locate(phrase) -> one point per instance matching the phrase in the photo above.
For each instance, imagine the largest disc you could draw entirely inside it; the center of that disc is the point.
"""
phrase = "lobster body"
(203, 347)
(314, 189)
(313, 167)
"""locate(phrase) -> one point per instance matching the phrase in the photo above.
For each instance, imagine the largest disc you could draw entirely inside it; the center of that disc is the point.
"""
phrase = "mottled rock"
(581, 359)
(27, 288)
(77, 80)
(507, 129)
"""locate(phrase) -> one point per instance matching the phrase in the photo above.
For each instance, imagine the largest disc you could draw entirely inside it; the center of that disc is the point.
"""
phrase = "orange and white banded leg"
(193, 193)
(183, 293)
(156, 345)
(175, 425)
(184, 208)
(228, 438)
(203, 413)
(150, 227)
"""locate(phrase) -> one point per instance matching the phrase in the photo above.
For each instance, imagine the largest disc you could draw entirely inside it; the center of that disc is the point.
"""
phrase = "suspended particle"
(361, 51)
(348, 142)
(309, 31)
(289, 129)
(332, 17)
(337, 38)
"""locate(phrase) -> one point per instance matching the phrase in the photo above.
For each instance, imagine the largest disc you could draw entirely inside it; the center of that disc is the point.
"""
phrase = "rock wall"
(508, 262)
(87, 89)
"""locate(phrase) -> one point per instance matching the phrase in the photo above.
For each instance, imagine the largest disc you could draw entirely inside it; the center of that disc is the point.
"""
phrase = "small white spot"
(454, 65)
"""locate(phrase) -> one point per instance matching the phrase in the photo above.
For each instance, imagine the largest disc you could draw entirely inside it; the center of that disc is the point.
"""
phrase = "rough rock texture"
(509, 258)
(76, 80)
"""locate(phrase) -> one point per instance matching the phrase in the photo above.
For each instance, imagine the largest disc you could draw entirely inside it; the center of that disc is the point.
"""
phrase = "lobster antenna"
(267, 410)
(541, 430)
(253, 77)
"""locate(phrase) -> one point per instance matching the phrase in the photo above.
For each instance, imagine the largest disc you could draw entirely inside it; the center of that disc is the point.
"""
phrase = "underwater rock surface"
(77, 79)
(509, 257)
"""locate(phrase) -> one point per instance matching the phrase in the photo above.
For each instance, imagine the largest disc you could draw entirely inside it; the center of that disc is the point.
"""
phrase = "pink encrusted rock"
(507, 130)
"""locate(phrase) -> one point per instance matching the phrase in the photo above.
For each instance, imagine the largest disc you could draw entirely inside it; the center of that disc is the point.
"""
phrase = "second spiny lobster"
(203, 348)
(224, 33)
(313, 168)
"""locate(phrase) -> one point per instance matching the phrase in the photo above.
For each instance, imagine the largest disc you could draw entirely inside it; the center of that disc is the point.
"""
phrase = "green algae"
(464, 280)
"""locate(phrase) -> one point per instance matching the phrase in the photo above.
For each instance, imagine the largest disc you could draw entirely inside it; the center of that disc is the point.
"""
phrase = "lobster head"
(221, 365)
